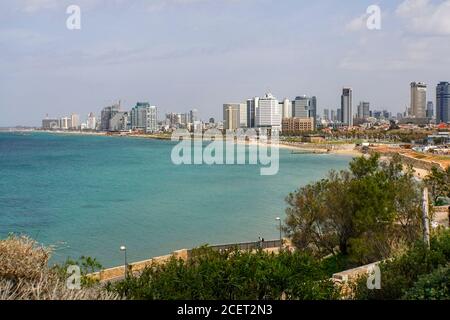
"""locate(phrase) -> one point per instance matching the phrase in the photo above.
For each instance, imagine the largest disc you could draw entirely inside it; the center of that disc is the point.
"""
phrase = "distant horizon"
(186, 54)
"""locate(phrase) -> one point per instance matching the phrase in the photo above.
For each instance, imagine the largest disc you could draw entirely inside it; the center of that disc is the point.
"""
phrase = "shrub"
(435, 286)
(231, 275)
(25, 275)
(401, 273)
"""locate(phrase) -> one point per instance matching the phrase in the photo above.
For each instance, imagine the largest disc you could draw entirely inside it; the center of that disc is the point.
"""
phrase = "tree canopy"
(365, 212)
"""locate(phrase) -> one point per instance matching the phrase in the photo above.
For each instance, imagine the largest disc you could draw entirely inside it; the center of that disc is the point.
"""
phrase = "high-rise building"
(333, 116)
(339, 114)
(313, 110)
(363, 110)
(50, 124)
(231, 116)
(443, 102)
(418, 100)
(326, 114)
(286, 109)
(91, 123)
(65, 123)
(193, 116)
(106, 116)
(74, 121)
(252, 106)
(119, 122)
(268, 113)
(304, 107)
(430, 110)
(174, 119)
(243, 115)
(144, 117)
(347, 107)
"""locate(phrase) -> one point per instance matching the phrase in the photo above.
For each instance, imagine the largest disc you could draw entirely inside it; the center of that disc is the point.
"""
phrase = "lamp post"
(281, 238)
(124, 250)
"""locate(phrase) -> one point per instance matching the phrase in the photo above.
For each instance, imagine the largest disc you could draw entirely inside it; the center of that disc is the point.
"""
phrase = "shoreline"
(308, 148)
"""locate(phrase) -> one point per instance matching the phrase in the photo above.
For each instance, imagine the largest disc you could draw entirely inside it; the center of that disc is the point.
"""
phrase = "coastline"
(307, 148)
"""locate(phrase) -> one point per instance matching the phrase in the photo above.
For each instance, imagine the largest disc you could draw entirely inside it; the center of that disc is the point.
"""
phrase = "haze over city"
(184, 54)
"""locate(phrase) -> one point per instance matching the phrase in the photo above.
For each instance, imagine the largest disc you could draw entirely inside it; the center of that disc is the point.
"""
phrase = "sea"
(88, 195)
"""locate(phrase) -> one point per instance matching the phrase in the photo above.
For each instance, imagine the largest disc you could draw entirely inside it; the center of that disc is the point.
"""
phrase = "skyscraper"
(231, 116)
(252, 105)
(144, 117)
(243, 115)
(443, 102)
(193, 116)
(74, 121)
(304, 107)
(268, 113)
(119, 122)
(430, 110)
(363, 110)
(347, 107)
(418, 100)
(326, 114)
(91, 121)
(286, 109)
(106, 116)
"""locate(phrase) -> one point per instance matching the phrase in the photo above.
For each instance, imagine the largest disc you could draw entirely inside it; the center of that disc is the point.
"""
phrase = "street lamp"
(281, 238)
(124, 250)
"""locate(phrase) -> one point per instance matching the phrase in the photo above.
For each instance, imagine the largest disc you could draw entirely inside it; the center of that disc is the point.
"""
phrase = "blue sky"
(184, 54)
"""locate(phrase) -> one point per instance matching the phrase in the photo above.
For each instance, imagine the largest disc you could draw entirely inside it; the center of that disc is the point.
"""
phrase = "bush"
(435, 286)
(231, 275)
(25, 275)
(401, 273)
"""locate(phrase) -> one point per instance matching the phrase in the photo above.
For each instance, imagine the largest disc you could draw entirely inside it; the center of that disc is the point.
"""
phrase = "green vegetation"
(438, 183)
(420, 273)
(25, 275)
(370, 212)
(232, 275)
(365, 214)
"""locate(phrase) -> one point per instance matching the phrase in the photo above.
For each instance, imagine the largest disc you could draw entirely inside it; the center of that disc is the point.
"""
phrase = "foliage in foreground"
(366, 213)
(420, 273)
(25, 275)
(438, 183)
(231, 275)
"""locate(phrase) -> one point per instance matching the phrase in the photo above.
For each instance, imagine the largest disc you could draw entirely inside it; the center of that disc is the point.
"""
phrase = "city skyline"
(189, 57)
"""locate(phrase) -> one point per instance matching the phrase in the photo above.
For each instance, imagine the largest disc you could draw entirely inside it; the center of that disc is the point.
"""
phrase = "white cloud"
(425, 17)
(31, 6)
(357, 24)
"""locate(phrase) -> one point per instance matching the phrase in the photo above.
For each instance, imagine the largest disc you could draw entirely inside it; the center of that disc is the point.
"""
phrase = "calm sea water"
(88, 195)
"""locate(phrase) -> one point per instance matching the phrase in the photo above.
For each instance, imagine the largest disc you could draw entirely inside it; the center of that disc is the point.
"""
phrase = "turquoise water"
(88, 195)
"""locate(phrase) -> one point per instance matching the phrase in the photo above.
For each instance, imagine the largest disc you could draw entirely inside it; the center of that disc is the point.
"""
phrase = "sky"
(185, 54)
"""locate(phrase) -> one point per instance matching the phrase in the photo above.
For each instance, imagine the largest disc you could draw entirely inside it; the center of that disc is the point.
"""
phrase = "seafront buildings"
(267, 112)
(418, 100)
(363, 110)
(106, 115)
(231, 116)
(144, 117)
(443, 103)
(347, 107)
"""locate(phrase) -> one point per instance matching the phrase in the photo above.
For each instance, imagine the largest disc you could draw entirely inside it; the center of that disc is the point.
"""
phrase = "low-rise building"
(297, 124)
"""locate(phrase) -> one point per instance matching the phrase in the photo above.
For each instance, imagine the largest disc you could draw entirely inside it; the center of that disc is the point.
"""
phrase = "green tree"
(232, 275)
(365, 213)
(438, 182)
